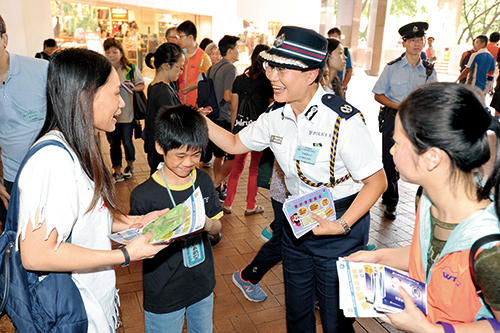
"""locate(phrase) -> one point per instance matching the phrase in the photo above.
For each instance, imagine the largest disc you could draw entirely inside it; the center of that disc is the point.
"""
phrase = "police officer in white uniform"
(318, 139)
(398, 79)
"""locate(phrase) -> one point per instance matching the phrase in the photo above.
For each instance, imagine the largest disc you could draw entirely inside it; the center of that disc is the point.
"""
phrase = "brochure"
(128, 86)
(370, 290)
(297, 210)
(184, 219)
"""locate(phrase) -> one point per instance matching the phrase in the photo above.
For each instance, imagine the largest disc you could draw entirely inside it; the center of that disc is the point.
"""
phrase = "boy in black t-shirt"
(179, 280)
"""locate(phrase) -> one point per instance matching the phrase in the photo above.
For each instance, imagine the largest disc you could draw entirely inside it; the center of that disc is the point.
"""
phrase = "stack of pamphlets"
(184, 219)
(297, 209)
(370, 290)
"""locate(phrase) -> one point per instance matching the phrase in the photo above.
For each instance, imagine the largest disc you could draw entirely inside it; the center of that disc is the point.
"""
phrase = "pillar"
(378, 13)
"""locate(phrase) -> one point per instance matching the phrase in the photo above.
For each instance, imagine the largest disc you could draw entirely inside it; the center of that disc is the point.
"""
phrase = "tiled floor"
(241, 241)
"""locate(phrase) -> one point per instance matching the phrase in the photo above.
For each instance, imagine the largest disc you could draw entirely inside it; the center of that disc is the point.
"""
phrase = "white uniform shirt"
(55, 189)
(313, 128)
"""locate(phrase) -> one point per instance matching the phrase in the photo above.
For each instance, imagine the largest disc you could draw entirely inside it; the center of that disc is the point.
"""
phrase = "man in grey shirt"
(223, 74)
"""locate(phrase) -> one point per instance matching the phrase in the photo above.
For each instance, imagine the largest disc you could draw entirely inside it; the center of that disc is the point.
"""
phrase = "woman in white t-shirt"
(63, 194)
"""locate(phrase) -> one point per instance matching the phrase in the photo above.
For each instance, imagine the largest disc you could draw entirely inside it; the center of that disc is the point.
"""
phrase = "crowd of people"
(291, 101)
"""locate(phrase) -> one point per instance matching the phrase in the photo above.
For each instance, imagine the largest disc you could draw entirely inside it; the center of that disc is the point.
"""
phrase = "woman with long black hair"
(70, 194)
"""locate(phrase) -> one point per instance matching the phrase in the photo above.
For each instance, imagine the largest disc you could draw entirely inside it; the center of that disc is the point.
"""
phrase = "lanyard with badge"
(193, 251)
(309, 155)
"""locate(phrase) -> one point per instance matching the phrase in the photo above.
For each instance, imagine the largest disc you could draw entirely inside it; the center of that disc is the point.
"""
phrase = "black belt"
(392, 111)
(344, 203)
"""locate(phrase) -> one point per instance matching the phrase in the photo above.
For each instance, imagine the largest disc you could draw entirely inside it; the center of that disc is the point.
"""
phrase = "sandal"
(256, 210)
(227, 209)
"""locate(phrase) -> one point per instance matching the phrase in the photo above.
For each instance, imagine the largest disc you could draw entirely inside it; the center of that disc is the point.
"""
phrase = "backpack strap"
(13, 210)
(476, 246)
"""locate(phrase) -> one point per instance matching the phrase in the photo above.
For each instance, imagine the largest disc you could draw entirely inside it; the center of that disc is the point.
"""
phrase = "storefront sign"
(119, 14)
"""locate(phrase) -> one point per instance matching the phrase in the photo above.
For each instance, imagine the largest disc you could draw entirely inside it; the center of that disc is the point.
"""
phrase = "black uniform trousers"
(310, 273)
(391, 195)
(270, 253)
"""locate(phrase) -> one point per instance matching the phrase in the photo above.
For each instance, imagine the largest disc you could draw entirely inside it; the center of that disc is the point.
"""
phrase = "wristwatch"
(125, 254)
(344, 225)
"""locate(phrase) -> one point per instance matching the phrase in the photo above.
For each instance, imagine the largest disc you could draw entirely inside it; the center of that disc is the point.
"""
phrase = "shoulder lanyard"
(333, 152)
(168, 189)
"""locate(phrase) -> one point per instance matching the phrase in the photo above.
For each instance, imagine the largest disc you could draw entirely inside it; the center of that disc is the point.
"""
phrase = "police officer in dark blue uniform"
(398, 79)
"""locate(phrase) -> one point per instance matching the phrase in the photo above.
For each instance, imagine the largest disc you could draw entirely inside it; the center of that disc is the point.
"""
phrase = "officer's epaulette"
(429, 67)
(340, 106)
(395, 60)
(274, 106)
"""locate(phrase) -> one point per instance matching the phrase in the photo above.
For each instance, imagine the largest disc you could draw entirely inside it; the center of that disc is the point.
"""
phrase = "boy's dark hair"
(3, 27)
(227, 42)
(495, 37)
(483, 39)
(180, 126)
(49, 43)
(334, 30)
(188, 28)
(205, 42)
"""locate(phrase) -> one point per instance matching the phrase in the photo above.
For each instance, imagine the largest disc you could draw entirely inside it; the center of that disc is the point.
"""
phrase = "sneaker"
(118, 177)
(215, 239)
(370, 247)
(221, 192)
(390, 212)
(252, 292)
(128, 172)
(266, 234)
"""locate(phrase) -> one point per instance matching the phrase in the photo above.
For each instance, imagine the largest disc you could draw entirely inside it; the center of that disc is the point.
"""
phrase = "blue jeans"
(122, 133)
(198, 317)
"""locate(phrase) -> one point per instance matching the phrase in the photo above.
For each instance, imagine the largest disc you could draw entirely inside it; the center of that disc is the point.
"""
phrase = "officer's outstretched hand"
(326, 227)
(411, 319)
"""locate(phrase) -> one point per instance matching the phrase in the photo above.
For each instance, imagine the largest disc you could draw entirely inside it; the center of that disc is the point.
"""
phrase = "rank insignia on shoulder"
(274, 106)
(340, 106)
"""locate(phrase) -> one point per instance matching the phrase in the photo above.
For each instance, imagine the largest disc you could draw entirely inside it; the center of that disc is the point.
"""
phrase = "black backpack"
(206, 94)
(246, 113)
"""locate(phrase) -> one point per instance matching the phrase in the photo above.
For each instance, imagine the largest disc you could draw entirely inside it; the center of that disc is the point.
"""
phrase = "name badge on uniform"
(32, 115)
(193, 251)
(306, 154)
(276, 139)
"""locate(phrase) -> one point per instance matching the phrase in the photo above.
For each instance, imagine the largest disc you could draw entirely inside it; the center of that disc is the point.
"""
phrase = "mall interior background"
(77, 23)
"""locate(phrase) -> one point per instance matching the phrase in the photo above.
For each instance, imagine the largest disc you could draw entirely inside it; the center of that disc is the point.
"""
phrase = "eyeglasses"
(280, 71)
(180, 36)
(179, 68)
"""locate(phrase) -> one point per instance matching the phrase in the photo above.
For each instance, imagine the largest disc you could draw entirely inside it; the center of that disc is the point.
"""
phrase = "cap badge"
(415, 28)
(279, 40)
(346, 108)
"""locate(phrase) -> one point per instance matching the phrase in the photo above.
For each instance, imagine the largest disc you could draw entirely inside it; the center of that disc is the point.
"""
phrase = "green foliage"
(479, 17)
(404, 8)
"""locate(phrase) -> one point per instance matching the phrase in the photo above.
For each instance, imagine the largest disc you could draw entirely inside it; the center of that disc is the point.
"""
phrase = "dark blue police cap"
(412, 30)
(297, 48)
